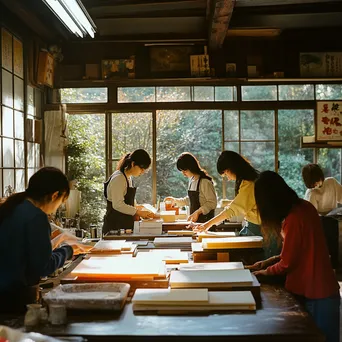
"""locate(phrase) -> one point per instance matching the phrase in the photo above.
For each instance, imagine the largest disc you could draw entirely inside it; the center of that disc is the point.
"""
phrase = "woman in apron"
(324, 194)
(201, 196)
(238, 169)
(120, 192)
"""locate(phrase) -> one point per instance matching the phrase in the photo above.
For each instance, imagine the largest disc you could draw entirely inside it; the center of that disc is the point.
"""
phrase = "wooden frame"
(328, 121)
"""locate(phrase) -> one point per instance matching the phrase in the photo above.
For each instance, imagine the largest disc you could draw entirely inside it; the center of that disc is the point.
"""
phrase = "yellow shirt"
(244, 204)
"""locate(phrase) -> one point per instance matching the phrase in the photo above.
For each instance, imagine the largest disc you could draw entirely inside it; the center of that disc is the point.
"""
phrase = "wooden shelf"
(319, 145)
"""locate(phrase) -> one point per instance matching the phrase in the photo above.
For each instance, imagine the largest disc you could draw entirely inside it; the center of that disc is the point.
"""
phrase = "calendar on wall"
(329, 121)
(45, 69)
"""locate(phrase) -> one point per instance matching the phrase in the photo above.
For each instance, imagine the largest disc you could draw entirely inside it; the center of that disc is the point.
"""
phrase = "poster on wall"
(329, 121)
(321, 64)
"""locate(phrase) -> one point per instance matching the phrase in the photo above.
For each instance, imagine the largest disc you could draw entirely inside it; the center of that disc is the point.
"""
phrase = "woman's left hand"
(194, 216)
(201, 228)
(261, 272)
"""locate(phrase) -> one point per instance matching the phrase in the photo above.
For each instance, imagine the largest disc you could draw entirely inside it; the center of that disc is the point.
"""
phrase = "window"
(84, 95)
(330, 161)
(131, 131)
(259, 93)
(292, 126)
(12, 158)
(173, 94)
(296, 92)
(328, 91)
(203, 93)
(225, 94)
(87, 163)
(178, 132)
(136, 94)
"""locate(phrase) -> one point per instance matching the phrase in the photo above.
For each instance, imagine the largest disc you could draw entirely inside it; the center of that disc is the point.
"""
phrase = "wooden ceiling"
(204, 21)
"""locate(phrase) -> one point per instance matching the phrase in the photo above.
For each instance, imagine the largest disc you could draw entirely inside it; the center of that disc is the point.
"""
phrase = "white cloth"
(207, 195)
(326, 197)
(116, 191)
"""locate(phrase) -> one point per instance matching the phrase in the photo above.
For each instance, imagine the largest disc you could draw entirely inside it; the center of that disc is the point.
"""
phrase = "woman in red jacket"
(304, 257)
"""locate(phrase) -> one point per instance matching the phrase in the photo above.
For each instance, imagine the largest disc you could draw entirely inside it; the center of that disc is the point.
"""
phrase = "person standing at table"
(119, 192)
(238, 169)
(201, 196)
(304, 258)
(324, 194)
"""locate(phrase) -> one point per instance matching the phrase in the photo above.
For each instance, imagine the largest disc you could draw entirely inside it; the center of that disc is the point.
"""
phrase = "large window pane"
(19, 154)
(19, 180)
(136, 94)
(30, 155)
(260, 154)
(18, 93)
(296, 92)
(8, 152)
(131, 131)
(195, 131)
(30, 100)
(259, 93)
(330, 161)
(7, 88)
(8, 179)
(224, 94)
(328, 91)
(257, 125)
(19, 125)
(231, 125)
(292, 126)
(204, 93)
(7, 122)
(173, 94)
(87, 164)
(84, 95)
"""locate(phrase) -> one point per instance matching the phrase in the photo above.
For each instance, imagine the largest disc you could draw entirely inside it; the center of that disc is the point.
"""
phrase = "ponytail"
(140, 158)
(125, 162)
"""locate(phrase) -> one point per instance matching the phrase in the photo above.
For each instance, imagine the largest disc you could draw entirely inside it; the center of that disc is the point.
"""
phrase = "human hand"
(256, 266)
(194, 216)
(201, 228)
(79, 248)
(261, 272)
(145, 214)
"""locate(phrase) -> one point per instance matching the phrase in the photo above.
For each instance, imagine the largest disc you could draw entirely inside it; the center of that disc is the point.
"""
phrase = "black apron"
(331, 232)
(195, 204)
(114, 220)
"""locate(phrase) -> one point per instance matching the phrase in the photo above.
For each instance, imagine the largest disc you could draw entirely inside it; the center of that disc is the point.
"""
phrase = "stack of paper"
(151, 227)
(233, 242)
(183, 300)
(173, 242)
(213, 235)
(200, 266)
(211, 279)
(106, 247)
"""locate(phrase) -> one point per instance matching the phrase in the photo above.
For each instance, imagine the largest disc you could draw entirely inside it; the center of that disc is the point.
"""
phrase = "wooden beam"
(221, 13)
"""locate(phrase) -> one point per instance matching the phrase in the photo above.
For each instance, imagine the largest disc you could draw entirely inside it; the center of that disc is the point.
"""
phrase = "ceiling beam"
(256, 3)
(220, 14)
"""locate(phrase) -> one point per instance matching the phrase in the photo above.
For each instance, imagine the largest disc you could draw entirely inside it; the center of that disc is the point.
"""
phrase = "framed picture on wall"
(118, 68)
(329, 121)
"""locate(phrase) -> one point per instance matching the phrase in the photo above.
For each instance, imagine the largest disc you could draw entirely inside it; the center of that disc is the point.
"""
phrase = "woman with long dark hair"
(201, 196)
(304, 258)
(26, 253)
(120, 192)
(238, 169)
(324, 194)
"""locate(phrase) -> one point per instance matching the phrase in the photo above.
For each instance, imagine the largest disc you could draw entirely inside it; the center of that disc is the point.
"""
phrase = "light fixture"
(74, 16)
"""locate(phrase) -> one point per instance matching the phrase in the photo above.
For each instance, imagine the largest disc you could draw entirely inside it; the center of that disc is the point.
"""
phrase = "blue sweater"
(25, 249)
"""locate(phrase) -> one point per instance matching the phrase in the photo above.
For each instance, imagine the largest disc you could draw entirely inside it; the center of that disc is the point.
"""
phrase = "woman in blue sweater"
(26, 253)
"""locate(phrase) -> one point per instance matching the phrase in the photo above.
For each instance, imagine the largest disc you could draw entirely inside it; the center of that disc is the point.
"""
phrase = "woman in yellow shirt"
(238, 169)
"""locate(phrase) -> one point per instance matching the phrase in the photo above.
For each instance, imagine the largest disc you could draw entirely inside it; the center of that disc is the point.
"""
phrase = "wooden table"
(280, 318)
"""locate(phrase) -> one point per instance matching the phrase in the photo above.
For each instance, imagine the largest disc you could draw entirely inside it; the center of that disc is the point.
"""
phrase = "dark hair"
(232, 161)
(274, 200)
(42, 185)
(187, 161)
(312, 174)
(140, 158)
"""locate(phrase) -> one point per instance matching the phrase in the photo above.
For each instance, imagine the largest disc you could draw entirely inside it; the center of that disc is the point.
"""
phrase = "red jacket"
(305, 257)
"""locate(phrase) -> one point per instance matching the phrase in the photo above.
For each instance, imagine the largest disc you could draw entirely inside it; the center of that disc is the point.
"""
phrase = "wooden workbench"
(280, 318)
